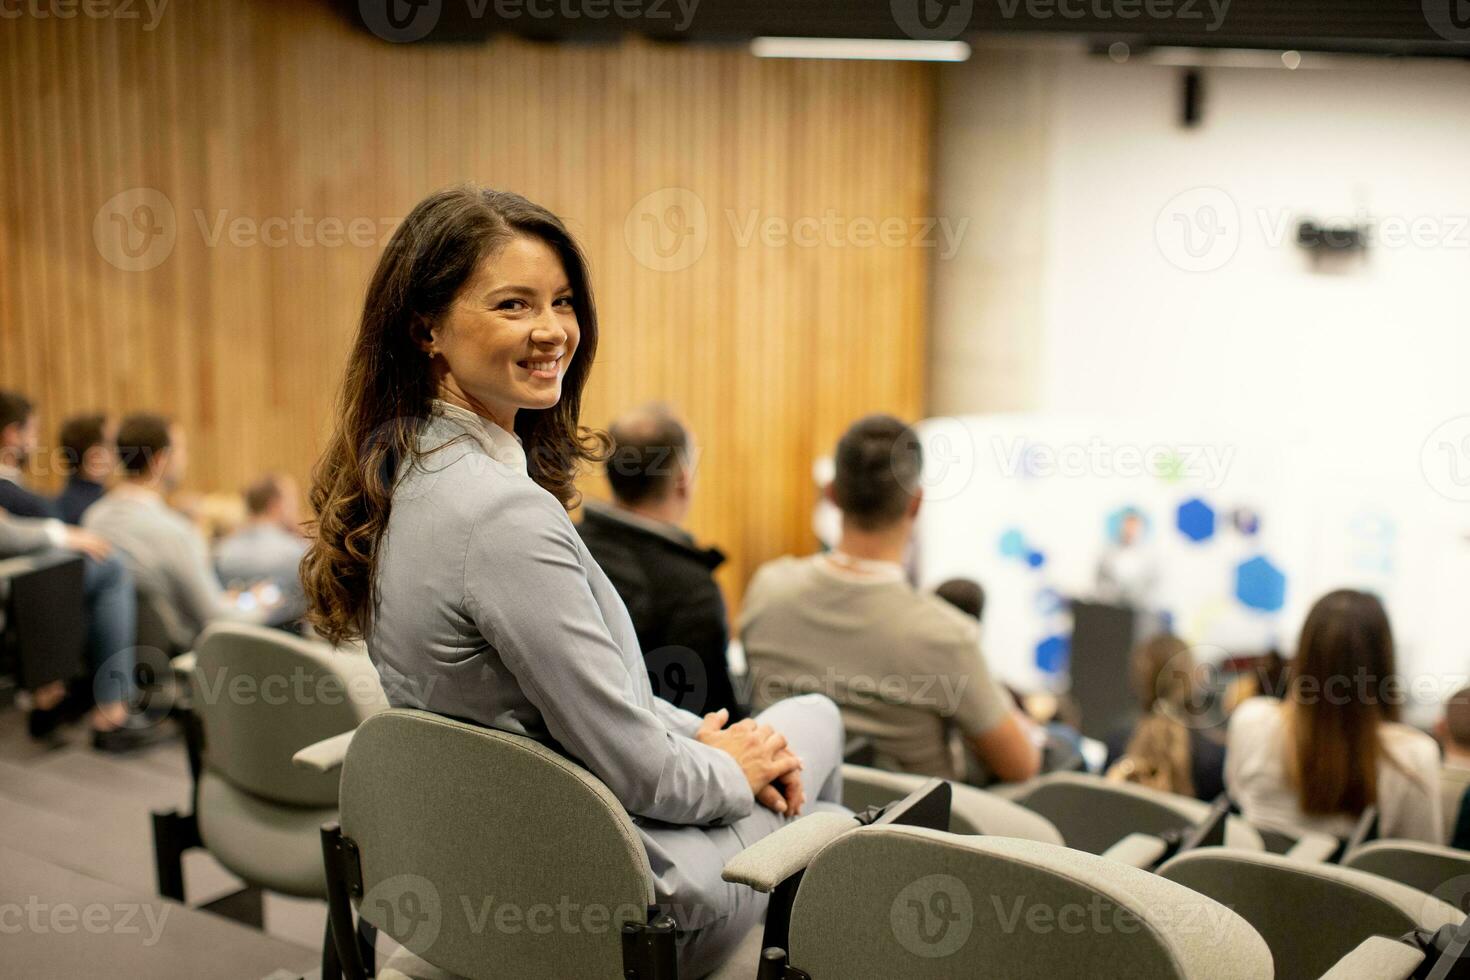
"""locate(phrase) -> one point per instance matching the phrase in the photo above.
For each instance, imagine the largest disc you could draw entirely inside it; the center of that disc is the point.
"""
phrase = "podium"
(1103, 638)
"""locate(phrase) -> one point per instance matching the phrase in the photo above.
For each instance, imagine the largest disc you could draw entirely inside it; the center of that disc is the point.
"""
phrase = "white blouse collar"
(501, 446)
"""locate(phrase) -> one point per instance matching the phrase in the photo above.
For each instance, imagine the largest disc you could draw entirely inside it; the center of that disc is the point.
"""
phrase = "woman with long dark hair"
(443, 539)
(1334, 746)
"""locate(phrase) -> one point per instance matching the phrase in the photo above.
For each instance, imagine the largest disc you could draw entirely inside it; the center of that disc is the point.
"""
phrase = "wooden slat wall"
(266, 109)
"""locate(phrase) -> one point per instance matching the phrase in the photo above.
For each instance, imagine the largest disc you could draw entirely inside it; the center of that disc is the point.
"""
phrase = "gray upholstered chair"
(1093, 813)
(918, 903)
(485, 854)
(260, 695)
(1443, 872)
(972, 811)
(1310, 914)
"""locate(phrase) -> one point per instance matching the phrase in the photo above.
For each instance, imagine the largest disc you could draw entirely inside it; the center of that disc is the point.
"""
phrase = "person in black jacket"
(663, 577)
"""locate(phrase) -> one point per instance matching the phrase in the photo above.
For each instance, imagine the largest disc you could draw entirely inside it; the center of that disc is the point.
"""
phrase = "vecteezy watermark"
(90, 9)
(941, 692)
(1445, 459)
(1199, 230)
(1207, 14)
(669, 229)
(97, 918)
(933, 916)
(1099, 916)
(138, 229)
(406, 21)
(1450, 19)
(1020, 457)
(1202, 229)
(407, 907)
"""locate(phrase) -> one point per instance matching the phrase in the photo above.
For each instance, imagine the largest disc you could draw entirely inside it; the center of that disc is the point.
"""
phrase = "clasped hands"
(772, 769)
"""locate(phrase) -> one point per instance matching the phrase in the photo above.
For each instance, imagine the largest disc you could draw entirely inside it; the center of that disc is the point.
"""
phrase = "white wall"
(1352, 366)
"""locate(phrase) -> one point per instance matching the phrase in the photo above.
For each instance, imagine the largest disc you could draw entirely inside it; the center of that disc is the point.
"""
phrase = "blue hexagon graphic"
(1036, 559)
(1196, 520)
(1260, 585)
(1052, 654)
(1013, 544)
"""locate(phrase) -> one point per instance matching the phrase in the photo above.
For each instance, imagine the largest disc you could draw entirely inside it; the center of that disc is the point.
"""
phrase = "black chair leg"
(367, 939)
(173, 834)
(331, 967)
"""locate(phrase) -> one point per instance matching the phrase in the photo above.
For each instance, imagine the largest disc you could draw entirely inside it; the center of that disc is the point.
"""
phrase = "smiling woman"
(444, 541)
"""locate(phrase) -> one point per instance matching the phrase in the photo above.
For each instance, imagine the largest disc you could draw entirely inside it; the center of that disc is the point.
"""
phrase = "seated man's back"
(904, 667)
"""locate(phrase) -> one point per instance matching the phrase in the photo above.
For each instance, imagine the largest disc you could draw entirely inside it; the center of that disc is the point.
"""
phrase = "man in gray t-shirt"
(904, 667)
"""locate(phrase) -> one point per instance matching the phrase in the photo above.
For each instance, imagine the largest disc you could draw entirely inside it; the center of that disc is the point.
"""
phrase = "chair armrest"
(1137, 850)
(1377, 958)
(1313, 848)
(183, 665)
(326, 755)
(773, 859)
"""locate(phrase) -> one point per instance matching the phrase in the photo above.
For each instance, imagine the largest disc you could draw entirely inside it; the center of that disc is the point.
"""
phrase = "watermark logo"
(136, 229)
(406, 907)
(40, 918)
(140, 678)
(678, 676)
(400, 21)
(90, 9)
(948, 461)
(932, 20)
(1450, 19)
(1445, 459)
(667, 230)
(1206, 14)
(932, 917)
(1199, 230)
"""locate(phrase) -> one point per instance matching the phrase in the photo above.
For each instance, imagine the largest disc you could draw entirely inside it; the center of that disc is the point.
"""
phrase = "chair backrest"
(972, 811)
(1443, 872)
(261, 695)
(46, 621)
(918, 903)
(1093, 813)
(486, 853)
(1311, 915)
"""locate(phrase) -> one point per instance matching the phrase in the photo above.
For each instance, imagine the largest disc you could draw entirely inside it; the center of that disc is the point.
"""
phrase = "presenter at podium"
(1128, 573)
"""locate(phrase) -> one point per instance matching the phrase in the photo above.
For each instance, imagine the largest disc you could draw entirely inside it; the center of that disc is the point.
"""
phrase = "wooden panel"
(257, 119)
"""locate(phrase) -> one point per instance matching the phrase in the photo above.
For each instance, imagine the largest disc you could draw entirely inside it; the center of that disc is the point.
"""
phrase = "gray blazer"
(490, 609)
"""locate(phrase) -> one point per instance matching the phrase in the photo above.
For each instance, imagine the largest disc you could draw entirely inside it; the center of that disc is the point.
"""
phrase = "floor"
(78, 897)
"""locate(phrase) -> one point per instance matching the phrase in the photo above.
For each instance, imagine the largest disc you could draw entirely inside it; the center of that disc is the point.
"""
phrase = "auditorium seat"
(919, 903)
(972, 811)
(1311, 914)
(260, 695)
(1093, 813)
(531, 831)
(1441, 871)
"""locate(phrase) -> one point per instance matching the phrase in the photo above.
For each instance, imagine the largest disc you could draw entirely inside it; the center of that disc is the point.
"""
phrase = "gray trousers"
(714, 915)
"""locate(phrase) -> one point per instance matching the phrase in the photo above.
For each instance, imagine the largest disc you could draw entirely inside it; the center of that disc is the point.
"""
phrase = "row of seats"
(484, 854)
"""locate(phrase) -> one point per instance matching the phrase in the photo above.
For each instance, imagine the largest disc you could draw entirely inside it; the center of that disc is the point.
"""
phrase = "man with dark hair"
(905, 667)
(268, 548)
(965, 594)
(89, 456)
(663, 577)
(167, 555)
(20, 429)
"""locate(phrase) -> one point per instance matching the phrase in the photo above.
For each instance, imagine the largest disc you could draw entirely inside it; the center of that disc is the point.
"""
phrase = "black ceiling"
(1423, 27)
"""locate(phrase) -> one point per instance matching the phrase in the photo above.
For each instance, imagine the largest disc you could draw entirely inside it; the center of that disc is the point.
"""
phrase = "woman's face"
(508, 339)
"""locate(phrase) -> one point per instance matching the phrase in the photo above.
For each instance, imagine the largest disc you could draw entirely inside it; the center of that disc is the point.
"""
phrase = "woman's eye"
(564, 302)
(510, 304)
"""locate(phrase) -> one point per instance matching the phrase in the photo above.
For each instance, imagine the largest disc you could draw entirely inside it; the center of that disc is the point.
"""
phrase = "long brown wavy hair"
(1159, 754)
(1338, 698)
(388, 390)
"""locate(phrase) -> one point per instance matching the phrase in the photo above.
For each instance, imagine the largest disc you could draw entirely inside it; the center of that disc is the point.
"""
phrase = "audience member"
(165, 552)
(661, 575)
(1167, 748)
(111, 611)
(268, 548)
(1454, 737)
(966, 595)
(89, 456)
(20, 429)
(1334, 746)
(905, 667)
